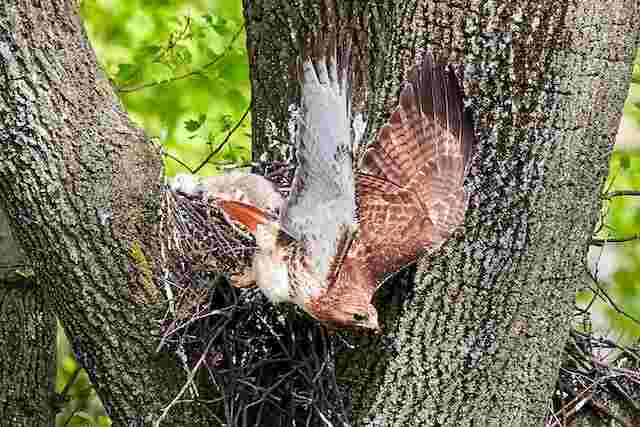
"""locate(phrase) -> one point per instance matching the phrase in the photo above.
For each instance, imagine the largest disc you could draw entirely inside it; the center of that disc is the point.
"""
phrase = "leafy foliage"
(621, 221)
(82, 406)
(180, 68)
(632, 106)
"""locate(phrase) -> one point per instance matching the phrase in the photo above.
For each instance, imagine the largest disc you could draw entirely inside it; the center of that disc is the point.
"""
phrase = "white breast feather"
(272, 277)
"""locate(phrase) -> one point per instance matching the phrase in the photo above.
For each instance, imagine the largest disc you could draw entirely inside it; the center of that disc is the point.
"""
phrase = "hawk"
(343, 230)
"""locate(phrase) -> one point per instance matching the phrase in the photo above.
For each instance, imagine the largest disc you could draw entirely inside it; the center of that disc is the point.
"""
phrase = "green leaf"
(234, 68)
(158, 72)
(182, 55)
(194, 125)
(126, 72)
(217, 23)
(225, 122)
(211, 54)
(625, 163)
(198, 29)
(147, 53)
(81, 419)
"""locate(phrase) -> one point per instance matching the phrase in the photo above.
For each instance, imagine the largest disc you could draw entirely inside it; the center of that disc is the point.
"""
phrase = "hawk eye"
(360, 317)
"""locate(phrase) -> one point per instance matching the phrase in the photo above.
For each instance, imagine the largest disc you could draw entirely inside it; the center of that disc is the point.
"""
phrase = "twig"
(214, 152)
(191, 376)
(605, 296)
(186, 75)
(581, 399)
(180, 162)
(602, 242)
(620, 193)
(226, 139)
(605, 411)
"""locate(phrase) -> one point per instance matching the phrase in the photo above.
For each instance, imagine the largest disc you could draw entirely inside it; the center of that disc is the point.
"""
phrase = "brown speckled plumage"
(409, 188)
(343, 232)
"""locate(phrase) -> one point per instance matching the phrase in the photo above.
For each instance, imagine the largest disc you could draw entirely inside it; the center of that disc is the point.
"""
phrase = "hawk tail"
(247, 215)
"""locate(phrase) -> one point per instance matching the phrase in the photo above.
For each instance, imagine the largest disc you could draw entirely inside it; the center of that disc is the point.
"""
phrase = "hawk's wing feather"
(410, 192)
(247, 215)
(395, 226)
(321, 206)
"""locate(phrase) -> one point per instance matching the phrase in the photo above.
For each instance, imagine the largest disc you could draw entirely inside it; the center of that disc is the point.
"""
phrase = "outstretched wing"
(410, 192)
(321, 206)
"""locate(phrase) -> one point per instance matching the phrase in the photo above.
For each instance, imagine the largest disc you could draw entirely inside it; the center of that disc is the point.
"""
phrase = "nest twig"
(592, 381)
(274, 365)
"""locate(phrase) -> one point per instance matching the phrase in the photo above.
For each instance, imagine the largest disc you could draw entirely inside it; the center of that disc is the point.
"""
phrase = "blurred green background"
(617, 265)
(180, 68)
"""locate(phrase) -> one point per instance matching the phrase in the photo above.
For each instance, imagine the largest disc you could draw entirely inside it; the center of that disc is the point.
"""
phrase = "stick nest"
(273, 364)
(599, 377)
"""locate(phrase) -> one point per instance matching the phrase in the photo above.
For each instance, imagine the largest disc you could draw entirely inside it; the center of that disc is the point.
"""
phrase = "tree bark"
(479, 339)
(27, 334)
(81, 186)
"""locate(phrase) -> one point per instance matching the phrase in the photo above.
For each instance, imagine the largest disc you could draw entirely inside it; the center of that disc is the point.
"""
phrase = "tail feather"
(247, 215)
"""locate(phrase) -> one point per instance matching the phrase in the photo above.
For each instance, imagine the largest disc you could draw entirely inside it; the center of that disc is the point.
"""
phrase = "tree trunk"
(479, 339)
(81, 186)
(27, 334)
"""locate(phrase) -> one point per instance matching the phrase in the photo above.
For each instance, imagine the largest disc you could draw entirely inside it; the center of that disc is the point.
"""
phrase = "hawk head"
(353, 311)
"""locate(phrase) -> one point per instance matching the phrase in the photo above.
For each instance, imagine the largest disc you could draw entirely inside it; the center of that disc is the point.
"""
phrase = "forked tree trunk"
(478, 341)
(27, 335)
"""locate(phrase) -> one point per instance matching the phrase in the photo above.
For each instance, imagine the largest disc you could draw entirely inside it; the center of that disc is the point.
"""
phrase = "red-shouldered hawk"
(341, 232)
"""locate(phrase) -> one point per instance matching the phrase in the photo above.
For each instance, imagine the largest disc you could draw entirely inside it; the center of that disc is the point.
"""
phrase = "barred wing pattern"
(410, 191)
